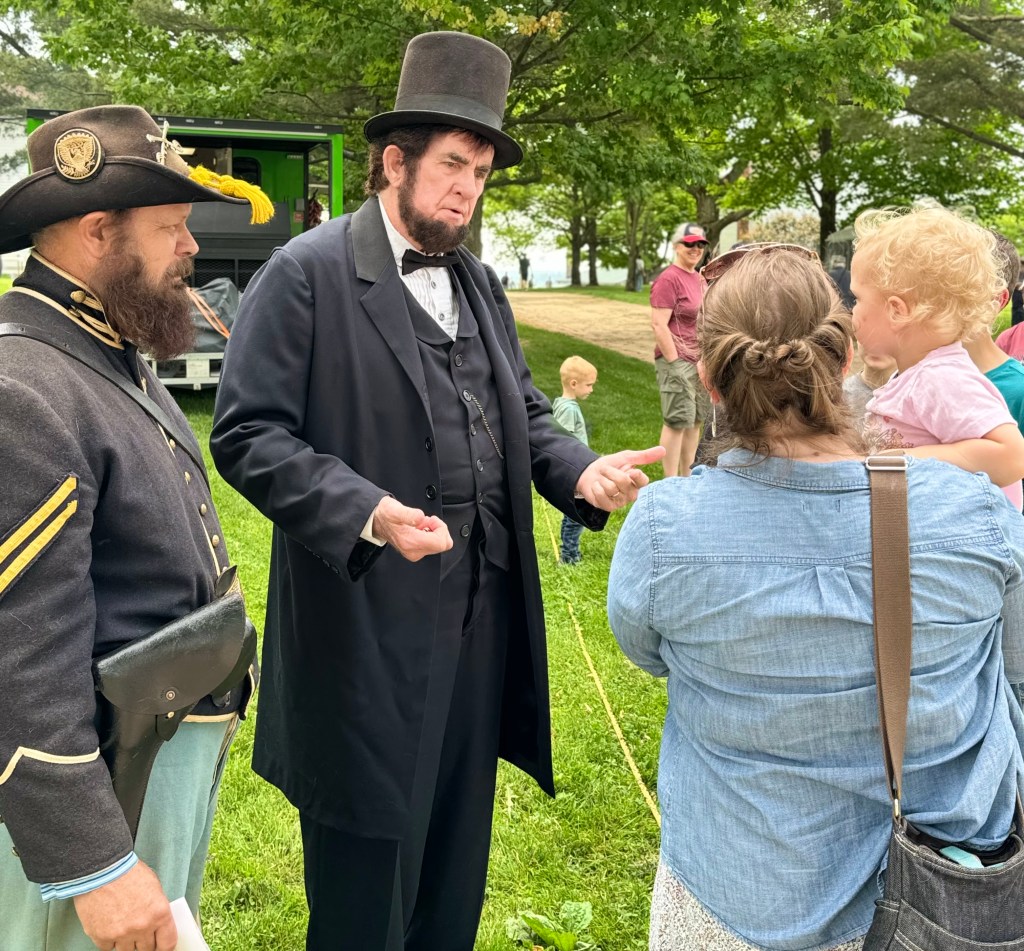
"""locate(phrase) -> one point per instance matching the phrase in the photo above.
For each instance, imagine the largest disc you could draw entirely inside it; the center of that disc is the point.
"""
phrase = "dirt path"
(606, 323)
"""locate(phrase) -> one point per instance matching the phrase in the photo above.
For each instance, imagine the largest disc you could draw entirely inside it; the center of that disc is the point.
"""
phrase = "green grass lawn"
(597, 840)
(605, 291)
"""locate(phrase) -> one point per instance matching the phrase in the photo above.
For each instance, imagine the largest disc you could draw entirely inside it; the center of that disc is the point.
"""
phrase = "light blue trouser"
(173, 839)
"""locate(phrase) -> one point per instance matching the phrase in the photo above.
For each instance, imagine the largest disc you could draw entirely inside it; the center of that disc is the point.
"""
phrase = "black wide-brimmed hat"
(102, 159)
(453, 79)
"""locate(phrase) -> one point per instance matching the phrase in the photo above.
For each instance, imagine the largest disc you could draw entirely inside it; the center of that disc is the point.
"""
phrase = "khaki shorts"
(684, 401)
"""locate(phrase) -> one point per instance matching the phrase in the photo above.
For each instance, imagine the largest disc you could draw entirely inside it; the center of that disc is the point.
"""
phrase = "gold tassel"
(262, 207)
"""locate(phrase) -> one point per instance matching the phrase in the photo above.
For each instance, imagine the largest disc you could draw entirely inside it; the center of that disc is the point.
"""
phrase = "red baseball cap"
(690, 233)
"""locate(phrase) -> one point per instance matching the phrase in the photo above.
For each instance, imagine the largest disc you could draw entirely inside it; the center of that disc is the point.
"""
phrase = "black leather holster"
(148, 686)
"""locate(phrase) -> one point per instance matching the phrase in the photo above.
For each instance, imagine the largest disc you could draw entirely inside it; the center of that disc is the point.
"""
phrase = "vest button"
(467, 396)
(431, 492)
(458, 359)
(428, 444)
(472, 429)
(464, 531)
(480, 465)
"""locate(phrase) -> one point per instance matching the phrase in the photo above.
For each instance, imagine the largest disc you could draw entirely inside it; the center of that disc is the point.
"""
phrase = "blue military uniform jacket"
(107, 532)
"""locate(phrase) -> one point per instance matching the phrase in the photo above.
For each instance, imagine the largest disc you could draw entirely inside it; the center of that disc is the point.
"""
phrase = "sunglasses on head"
(715, 268)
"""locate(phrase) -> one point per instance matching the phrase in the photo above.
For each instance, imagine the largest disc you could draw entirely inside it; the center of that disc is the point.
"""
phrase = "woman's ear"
(712, 392)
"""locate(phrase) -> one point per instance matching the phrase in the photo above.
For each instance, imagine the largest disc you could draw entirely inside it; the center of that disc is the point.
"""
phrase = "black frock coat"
(322, 409)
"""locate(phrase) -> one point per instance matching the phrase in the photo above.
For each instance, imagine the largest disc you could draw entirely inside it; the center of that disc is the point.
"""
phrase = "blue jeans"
(571, 534)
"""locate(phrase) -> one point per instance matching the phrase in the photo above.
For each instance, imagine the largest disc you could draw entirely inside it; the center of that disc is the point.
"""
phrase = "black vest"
(468, 436)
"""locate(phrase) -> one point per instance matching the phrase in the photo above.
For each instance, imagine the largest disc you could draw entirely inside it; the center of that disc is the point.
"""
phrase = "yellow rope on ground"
(634, 769)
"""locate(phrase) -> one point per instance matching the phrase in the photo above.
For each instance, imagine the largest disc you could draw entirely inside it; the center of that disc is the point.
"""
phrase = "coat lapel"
(385, 301)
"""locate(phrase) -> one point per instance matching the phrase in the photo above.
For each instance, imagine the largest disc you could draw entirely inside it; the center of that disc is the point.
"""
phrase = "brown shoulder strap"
(890, 569)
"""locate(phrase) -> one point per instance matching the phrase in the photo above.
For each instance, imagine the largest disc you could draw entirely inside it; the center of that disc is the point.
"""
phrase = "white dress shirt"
(432, 287)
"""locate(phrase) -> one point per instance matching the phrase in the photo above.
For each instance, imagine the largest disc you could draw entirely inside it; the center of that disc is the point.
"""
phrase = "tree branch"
(15, 45)
(968, 133)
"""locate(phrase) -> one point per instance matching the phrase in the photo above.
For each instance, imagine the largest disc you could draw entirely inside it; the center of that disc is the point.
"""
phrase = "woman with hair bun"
(748, 586)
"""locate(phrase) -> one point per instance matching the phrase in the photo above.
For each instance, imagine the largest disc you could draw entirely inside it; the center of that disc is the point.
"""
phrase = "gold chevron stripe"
(38, 517)
(34, 547)
(26, 753)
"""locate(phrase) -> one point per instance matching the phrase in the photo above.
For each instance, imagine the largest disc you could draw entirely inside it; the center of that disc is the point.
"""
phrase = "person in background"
(775, 811)
(1005, 373)
(860, 387)
(840, 274)
(925, 281)
(1011, 340)
(1017, 301)
(376, 406)
(109, 533)
(676, 295)
(578, 379)
(524, 272)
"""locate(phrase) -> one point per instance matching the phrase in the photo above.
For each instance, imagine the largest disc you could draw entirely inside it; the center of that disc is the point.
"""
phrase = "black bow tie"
(413, 260)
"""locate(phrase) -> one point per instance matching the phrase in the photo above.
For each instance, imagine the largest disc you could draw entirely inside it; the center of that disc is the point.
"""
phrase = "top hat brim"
(507, 151)
(46, 197)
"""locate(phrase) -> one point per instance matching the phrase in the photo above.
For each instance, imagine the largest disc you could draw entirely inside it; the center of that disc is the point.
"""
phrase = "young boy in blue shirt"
(578, 379)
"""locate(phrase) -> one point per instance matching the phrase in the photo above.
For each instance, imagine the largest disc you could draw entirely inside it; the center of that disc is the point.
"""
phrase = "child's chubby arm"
(999, 454)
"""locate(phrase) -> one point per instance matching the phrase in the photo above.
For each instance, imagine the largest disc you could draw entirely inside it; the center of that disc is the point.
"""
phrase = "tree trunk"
(634, 211)
(474, 242)
(575, 249)
(591, 230)
(829, 191)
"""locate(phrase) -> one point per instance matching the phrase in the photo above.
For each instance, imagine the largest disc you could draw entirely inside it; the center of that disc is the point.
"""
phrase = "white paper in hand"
(190, 938)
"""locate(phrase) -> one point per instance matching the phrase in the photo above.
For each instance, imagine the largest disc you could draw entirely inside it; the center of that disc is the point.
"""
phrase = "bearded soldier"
(118, 615)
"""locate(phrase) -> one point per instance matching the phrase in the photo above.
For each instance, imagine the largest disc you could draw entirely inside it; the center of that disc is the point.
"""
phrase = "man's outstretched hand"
(612, 481)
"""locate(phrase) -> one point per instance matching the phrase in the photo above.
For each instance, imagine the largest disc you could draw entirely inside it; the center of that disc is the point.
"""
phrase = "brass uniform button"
(188, 478)
(172, 443)
(202, 509)
(215, 541)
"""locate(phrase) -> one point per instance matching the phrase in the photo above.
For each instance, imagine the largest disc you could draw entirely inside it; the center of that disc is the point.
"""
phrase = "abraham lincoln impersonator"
(124, 649)
(375, 404)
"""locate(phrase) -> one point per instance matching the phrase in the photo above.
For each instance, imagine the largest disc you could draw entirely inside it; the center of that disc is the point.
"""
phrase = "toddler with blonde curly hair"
(925, 281)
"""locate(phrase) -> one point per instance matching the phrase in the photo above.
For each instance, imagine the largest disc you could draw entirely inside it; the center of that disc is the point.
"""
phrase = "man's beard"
(156, 318)
(433, 237)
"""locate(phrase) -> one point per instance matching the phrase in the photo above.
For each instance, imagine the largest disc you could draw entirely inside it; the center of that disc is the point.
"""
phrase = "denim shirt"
(749, 587)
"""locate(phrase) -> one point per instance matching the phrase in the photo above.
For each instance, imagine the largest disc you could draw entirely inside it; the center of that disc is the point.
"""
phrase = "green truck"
(298, 165)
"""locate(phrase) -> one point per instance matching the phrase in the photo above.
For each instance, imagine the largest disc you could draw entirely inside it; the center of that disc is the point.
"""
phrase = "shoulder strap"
(890, 569)
(187, 443)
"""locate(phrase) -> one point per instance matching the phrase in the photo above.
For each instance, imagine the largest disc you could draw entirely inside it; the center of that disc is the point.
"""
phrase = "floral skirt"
(680, 923)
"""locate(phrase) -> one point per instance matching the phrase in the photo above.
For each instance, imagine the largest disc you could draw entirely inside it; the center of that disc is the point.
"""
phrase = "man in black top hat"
(107, 533)
(375, 404)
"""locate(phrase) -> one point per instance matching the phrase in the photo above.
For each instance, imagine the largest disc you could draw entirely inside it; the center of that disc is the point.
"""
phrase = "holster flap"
(175, 666)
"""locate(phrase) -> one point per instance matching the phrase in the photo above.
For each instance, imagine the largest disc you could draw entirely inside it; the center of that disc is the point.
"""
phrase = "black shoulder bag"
(931, 903)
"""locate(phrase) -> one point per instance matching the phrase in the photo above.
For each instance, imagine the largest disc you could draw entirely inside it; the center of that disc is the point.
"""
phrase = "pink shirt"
(681, 292)
(942, 399)
(1011, 341)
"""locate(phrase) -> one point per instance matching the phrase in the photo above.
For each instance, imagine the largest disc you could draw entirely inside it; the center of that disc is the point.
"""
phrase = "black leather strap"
(133, 392)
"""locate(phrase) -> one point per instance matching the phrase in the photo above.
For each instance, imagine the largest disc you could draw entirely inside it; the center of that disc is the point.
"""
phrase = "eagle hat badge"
(77, 155)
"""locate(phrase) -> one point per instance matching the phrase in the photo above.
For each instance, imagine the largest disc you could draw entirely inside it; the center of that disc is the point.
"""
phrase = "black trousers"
(425, 892)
